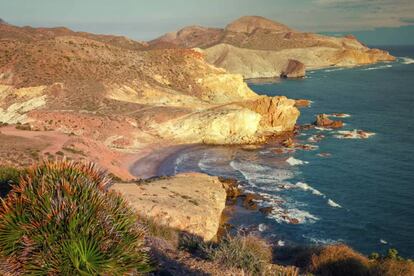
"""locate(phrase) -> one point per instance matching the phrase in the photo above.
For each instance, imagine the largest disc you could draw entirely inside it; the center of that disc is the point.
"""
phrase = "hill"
(257, 47)
(108, 89)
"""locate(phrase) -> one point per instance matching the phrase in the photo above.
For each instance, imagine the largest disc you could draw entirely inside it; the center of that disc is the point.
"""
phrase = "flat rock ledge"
(190, 202)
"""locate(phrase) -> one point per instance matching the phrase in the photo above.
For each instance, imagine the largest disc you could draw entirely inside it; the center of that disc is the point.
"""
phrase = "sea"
(346, 187)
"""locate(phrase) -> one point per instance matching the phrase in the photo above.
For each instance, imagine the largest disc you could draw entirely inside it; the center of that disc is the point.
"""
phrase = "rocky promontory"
(190, 202)
(256, 47)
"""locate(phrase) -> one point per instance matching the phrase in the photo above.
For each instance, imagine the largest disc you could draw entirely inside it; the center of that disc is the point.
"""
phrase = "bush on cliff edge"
(61, 220)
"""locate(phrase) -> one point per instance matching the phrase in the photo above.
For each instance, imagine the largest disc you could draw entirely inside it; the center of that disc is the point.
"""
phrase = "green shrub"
(61, 220)
(248, 253)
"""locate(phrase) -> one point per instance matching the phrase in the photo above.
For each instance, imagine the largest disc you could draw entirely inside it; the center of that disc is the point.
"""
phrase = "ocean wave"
(179, 161)
(307, 187)
(318, 240)
(407, 60)
(333, 204)
(323, 129)
(335, 69)
(378, 67)
(294, 162)
(353, 134)
(292, 216)
(383, 241)
(256, 173)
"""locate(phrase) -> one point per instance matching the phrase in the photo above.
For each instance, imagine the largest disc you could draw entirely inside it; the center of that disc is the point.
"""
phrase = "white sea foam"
(353, 134)
(307, 187)
(262, 227)
(294, 162)
(407, 60)
(318, 240)
(179, 161)
(292, 215)
(323, 128)
(333, 204)
(256, 173)
(336, 69)
(378, 67)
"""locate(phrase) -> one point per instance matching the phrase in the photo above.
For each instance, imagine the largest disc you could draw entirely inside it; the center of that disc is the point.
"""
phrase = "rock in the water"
(250, 201)
(302, 103)
(322, 120)
(190, 202)
(266, 210)
(288, 143)
(294, 69)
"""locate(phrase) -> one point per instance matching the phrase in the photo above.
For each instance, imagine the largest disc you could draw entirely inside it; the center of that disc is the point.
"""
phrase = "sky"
(376, 22)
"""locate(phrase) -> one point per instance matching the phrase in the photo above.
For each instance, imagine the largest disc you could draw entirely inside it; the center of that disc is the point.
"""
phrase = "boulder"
(294, 69)
(190, 202)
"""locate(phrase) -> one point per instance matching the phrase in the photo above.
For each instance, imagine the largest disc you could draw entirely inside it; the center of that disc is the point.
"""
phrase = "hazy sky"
(148, 19)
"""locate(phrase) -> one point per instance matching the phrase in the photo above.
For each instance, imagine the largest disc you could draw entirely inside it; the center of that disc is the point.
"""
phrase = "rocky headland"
(256, 47)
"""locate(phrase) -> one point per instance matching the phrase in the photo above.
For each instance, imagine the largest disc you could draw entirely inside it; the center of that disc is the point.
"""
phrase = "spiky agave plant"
(61, 220)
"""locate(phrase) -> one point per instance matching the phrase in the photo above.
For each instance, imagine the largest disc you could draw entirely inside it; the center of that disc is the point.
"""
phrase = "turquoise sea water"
(363, 193)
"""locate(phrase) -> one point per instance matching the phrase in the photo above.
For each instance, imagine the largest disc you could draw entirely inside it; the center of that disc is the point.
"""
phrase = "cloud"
(365, 14)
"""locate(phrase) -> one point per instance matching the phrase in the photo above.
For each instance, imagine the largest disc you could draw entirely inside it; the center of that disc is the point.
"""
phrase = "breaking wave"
(306, 187)
(333, 204)
(380, 67)
(407, 60)
(353, 134)
(256, 173)
(294, 162)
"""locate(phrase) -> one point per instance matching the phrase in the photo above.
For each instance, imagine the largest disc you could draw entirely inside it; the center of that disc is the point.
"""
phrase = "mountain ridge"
(231, 48)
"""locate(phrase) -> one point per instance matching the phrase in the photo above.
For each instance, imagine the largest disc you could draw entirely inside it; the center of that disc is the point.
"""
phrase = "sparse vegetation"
(23, 126)
(158, 230)
(60, 220)
(74, 151)
(337, 260)
(246, 252)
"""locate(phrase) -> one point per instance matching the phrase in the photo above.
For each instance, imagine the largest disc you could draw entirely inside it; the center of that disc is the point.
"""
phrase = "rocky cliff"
(190, 202)
(109, 89)
(257, 47)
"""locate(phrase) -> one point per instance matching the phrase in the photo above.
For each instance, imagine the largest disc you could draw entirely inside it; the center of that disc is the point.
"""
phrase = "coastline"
(150, 164)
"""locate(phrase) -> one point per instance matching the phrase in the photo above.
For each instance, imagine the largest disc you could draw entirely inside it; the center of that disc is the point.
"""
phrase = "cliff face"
(190, 202)
(107, 88)
(257, 47)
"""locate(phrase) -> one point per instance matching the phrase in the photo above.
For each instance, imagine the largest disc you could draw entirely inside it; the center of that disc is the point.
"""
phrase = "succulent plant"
(60, 219)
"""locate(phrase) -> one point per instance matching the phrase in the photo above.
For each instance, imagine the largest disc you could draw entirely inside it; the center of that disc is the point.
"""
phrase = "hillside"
(258, 47)
(106, 89)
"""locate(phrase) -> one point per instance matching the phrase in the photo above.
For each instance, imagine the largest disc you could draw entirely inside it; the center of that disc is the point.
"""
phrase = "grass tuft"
(61, 220)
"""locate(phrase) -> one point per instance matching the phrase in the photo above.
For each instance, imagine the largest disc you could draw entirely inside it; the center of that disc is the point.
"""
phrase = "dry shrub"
(393, 267)
(337, 260)
(249, 253)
